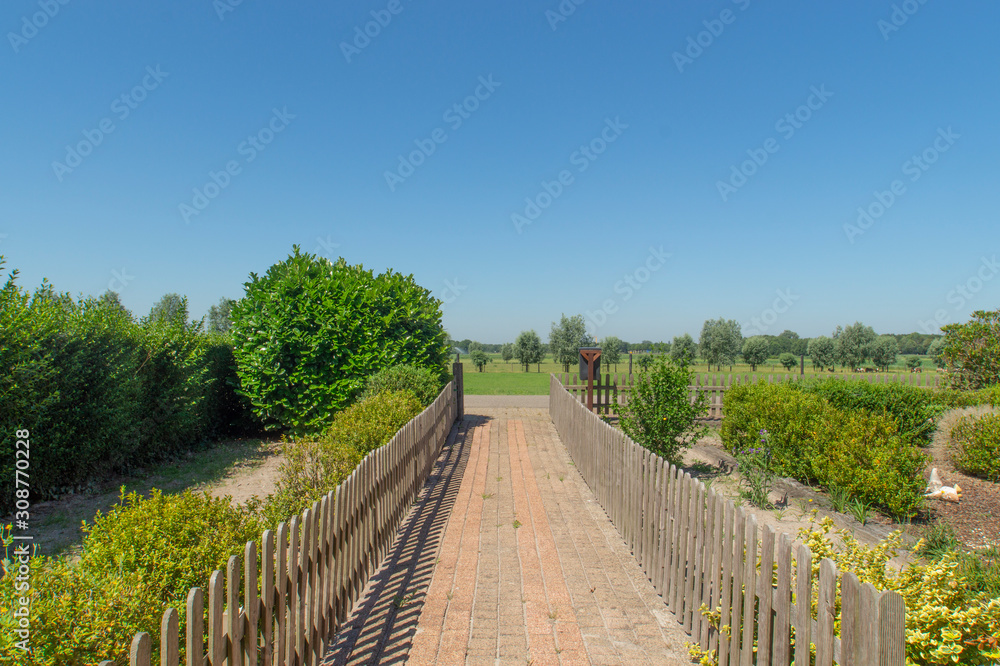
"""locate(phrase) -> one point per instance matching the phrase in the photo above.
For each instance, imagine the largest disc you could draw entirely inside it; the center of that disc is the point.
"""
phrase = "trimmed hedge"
(314, 467)
(816, 442)
(424, 383)
(911, 407)
(101, 393)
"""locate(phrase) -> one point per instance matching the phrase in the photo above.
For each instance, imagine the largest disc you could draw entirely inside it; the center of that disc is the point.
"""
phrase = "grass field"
(505, 383)
(500, 378)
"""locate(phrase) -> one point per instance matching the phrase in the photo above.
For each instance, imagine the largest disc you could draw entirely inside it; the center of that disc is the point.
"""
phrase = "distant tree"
(721, 342)
(935, 352)
(528, 349)
(913, 362)
(170, 308)
(113, 300)
(822, 352)
(507, 352)
(854, 344)
(479, 359)
(788, 360)
(755, 351)
(644, 361)
(683, 349)
(566, 338)
(219, 316)
(646, 345)
(883, 352)
(474, 346)
(464, 345)
(611, 351)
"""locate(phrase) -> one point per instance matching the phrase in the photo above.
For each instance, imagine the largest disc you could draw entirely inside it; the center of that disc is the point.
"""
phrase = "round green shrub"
(976, 446)
(310, 332)
(424, 383)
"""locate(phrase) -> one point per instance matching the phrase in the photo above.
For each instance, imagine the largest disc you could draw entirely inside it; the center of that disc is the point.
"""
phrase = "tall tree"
(219, 316)
(822, 352)
(170, 308)
(507, 352)
(854, 344)
(112, 299)
(528, 349)
(721, 341)
(611, 351)
(683, 349)
(884, 351)
(566, 338)
(935, 352)
(755, 351)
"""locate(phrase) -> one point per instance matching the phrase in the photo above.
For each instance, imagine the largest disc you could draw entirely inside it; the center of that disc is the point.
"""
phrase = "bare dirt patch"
(239, 468)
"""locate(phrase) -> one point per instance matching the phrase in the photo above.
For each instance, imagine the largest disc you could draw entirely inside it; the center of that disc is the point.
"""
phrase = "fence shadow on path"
(381, 627)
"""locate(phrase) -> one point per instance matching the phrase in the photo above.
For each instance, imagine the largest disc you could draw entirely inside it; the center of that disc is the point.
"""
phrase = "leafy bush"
(101, 393)
(315, 467)
(972, 351)
(310, 332)
(660, 414)
(911, 407)
(814, 441)
(976, 446)
(424, 383)
(140, 558)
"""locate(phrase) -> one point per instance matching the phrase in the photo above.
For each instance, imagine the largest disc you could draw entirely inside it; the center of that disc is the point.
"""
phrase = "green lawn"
(505, 383)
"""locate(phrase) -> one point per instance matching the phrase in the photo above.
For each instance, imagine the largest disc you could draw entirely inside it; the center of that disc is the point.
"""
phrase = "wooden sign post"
(589, 356)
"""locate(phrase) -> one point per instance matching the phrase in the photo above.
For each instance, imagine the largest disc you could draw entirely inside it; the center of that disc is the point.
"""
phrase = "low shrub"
(911, 407)
(314, 467)
(660, 414)
(976, 446)
(140, 558)
(424, 383)
(815, 442)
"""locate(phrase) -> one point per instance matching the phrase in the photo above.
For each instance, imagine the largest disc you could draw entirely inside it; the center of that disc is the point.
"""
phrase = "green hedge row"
(101, 393)
(815, 441)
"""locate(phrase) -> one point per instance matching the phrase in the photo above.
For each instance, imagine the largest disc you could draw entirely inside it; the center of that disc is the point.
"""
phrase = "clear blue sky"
(188, 89)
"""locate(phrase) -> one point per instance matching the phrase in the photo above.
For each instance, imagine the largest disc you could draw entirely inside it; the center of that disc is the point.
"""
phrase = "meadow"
(509, 378)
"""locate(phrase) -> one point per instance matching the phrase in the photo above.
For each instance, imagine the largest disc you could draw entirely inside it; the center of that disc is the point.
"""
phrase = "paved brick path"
(507, 558)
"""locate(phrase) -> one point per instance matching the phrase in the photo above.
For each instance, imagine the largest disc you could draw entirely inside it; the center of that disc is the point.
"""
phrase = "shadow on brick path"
(381, 626)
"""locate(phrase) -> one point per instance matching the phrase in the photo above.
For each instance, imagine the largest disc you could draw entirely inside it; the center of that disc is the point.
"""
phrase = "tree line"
(721, 343)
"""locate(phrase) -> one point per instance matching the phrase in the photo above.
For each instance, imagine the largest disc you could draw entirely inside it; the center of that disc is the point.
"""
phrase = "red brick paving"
(528, 569)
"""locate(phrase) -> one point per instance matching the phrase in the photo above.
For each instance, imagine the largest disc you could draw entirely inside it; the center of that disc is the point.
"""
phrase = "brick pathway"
(507, 558)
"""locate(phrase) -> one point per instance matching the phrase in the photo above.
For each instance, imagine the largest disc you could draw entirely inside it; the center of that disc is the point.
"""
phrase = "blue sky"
(650, 165)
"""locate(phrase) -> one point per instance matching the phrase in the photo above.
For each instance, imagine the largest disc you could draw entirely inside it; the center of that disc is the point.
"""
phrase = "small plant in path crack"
(516, 523)
(859, 510)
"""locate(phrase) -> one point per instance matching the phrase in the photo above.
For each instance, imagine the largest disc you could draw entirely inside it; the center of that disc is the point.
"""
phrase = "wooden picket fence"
(611, 391)
(313, 569)
(697, 548)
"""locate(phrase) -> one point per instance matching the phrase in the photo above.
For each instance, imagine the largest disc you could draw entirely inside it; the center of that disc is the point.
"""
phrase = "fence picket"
(749, 578)
(765, 595)
(782, 604)
(803, 605)
(824, 612)
(169, 639)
